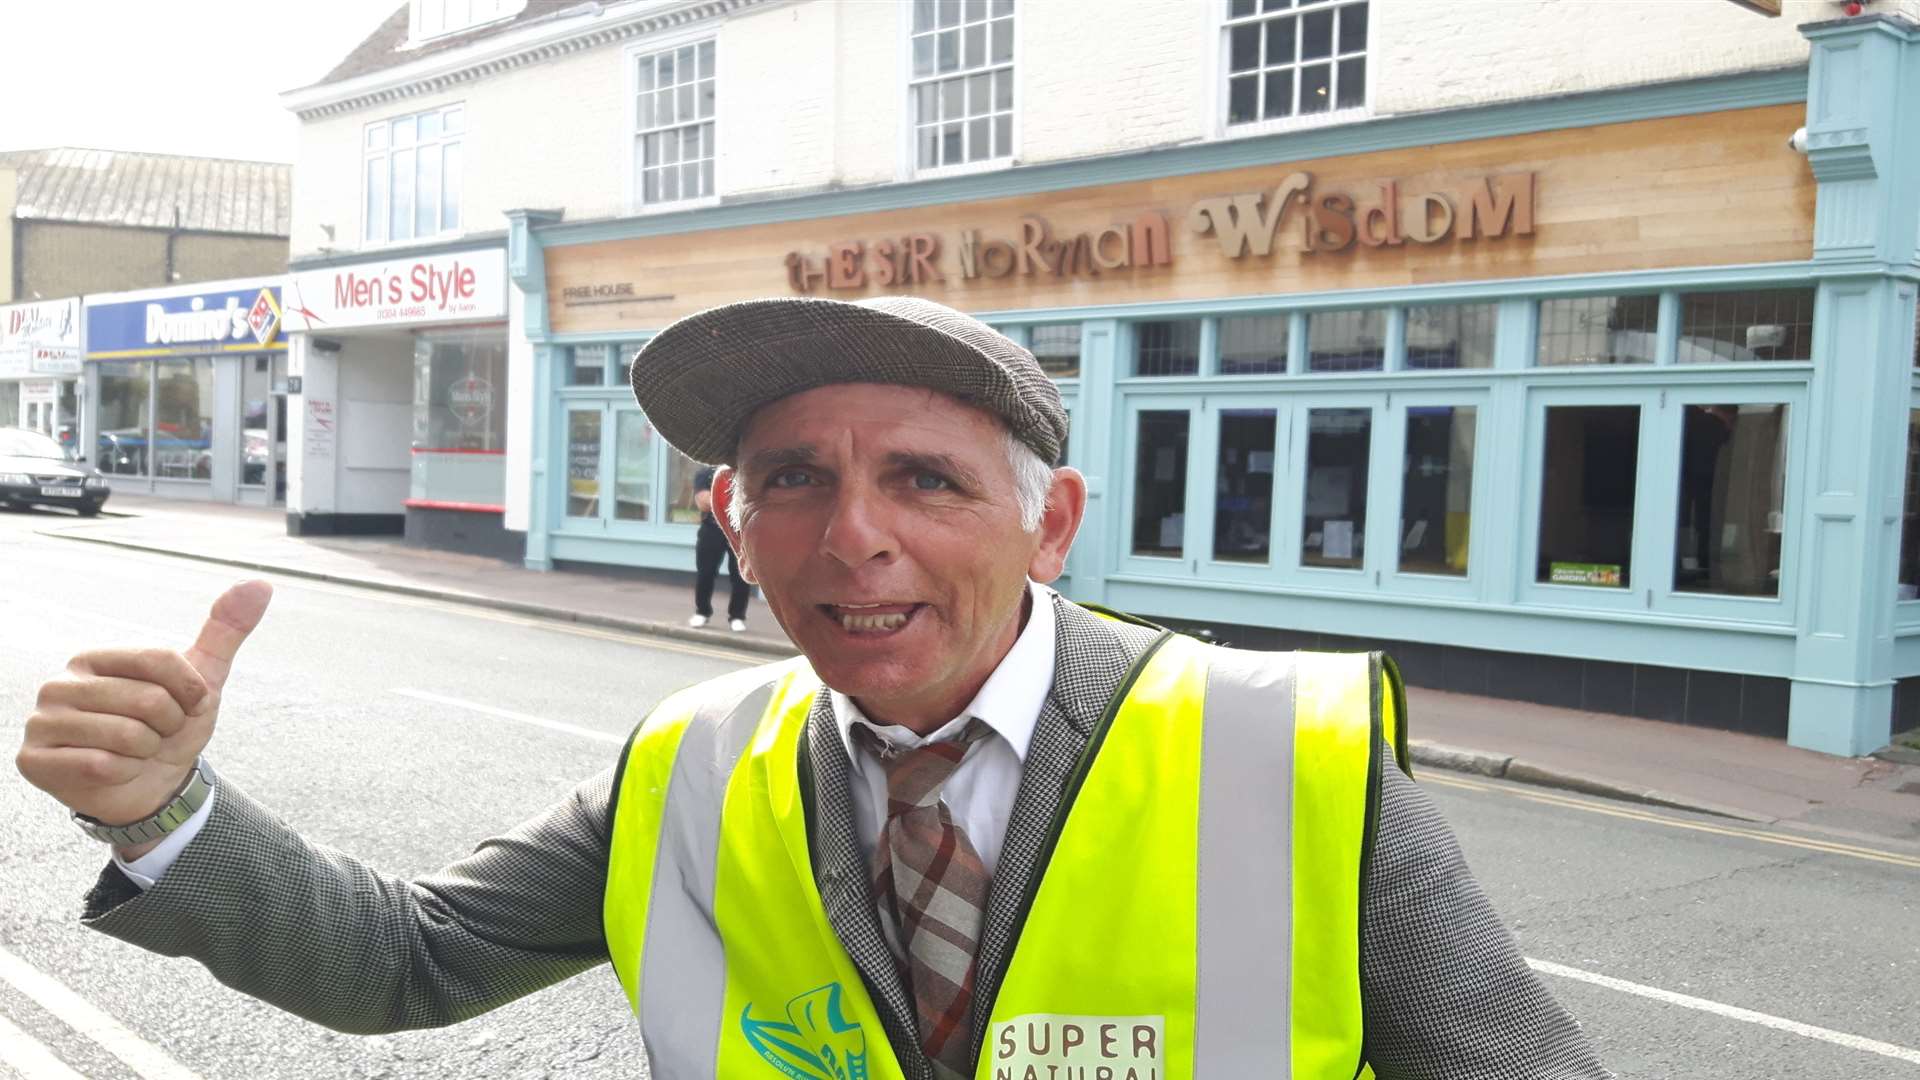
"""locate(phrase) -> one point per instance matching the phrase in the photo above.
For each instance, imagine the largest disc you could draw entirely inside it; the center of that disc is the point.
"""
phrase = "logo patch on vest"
(816, 1042)
(1050, 1046)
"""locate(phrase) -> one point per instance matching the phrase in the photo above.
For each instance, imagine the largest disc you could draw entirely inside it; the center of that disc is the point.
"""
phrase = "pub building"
(1599, 401)
(185, 391)
(400, 406)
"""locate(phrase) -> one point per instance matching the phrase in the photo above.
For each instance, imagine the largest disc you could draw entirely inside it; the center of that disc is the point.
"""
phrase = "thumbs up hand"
(116, 736)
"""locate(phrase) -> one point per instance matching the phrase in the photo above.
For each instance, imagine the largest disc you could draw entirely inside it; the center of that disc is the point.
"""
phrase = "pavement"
(1742, 777)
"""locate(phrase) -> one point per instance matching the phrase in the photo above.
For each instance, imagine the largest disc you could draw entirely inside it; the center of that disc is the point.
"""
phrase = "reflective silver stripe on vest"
(682, 963)
(1242, 1015)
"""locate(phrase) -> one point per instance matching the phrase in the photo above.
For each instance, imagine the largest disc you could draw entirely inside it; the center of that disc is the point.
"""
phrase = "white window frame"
(1221, 27)
(491, 11)
(630, 153)
(385, 151)
(910, 168)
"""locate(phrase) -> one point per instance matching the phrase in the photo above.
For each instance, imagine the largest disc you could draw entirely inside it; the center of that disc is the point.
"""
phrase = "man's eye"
(791, 478)
(927, 481)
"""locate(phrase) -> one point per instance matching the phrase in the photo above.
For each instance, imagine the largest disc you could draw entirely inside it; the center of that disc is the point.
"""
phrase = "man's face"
(882, 525)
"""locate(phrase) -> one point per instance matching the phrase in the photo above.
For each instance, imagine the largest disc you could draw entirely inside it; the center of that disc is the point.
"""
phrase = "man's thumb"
(234, 616)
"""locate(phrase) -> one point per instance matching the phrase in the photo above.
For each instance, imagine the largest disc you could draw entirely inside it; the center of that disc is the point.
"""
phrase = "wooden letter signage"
(1492, 207)
(1142, 243)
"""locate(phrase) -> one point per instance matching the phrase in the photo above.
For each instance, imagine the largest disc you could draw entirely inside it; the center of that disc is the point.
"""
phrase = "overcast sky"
(169, 76)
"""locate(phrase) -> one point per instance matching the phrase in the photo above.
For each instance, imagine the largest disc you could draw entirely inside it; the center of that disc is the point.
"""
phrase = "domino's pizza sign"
(234, 317)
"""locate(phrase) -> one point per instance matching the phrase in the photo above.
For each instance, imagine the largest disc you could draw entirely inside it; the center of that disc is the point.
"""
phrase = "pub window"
(1243, 490)
(632, 465)
(1347, 340)
(1334, 526)
(412, 175)
(1057, 347)
(1910, 511)
(1733, 477)
(1167, 348)
(681, 471)
(1254, 344)
(1285, 60)
(962, 83)
(1598, 330)
(1160, 483)
(587, 365)
(673, 148)
(1441, 336)
(1587, 487)
(1743, 327)
(1436, 500)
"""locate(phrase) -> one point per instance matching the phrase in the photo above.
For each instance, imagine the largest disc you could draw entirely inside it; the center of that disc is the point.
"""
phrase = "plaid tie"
(925, 868)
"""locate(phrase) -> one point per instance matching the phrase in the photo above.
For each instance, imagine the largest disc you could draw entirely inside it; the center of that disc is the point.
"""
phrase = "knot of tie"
(916, 774)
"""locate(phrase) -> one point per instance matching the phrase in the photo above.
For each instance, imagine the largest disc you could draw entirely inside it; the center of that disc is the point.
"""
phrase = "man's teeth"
(874, 622)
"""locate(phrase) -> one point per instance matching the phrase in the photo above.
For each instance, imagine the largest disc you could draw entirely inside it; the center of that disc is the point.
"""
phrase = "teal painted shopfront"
(1601, 402)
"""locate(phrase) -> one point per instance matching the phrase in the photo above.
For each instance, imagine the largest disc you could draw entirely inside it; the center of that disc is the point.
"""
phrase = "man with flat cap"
(975, 830)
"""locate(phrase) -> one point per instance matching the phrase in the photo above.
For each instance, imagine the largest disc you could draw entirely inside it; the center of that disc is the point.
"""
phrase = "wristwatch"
(169, 817)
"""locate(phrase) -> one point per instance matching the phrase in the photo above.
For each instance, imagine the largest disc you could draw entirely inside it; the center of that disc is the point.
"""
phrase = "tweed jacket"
(322, 935)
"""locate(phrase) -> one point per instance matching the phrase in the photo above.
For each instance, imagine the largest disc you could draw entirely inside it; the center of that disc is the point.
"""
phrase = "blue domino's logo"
(814, 1043)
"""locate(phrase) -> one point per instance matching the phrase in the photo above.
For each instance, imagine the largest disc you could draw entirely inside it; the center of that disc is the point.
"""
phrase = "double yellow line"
(1806, 843)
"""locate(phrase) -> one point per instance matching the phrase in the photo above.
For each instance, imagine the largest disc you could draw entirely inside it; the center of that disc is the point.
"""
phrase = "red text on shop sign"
(423, 284)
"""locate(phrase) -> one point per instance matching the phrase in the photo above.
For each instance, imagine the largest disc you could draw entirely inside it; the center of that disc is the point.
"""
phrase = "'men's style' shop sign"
(41, 338)
(467, 286)
(1291, 216)
(234, 319)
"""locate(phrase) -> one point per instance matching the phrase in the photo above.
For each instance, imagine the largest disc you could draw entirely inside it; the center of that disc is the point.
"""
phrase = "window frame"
(612, 397)
(509, 9)
(630, 167)
(1481, 399)
(1127, 561)
(1221, 24)
(1293, 512)
(1283, 540)
(385, 154)
(909, 167)
(1643, 545)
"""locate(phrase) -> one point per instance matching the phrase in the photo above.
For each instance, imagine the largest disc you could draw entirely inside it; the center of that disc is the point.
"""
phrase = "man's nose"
(857, 530)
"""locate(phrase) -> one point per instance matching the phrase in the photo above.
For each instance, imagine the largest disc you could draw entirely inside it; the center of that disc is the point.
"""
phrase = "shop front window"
(681, 470)
(1160, 483)
(256, 405)
(1254, 344)
(459, 393)
(1598, 330)
(183, 419)
(632, 465)
(1733, 474)
(9, 404)
(583, 463)
(1243, 487)
(1436, 497)
(1587, 489)
(122, 416)
(587, 365)
(1347, 340)
(1442, 336)
(1339, 447)
(1057, 347)
(1746, 327)
(1167, 348)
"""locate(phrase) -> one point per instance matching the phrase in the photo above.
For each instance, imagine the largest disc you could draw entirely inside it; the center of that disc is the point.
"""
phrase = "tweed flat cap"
(702, 377)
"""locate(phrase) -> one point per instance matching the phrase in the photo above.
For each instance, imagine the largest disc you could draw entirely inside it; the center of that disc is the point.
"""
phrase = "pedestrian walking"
(974, 830)
(709, 548)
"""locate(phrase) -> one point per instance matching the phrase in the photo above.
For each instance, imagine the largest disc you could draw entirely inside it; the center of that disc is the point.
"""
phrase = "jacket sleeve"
(1445, 990)
(328, 938)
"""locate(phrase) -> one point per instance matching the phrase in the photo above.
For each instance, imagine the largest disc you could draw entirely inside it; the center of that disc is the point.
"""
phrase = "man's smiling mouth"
(876, 618)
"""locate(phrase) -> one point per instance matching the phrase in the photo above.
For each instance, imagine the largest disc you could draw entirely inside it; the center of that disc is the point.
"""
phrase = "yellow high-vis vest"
(1198, 914)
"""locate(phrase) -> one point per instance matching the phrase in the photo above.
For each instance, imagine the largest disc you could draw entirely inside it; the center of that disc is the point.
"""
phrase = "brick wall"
(70, 260)
(1133, 78)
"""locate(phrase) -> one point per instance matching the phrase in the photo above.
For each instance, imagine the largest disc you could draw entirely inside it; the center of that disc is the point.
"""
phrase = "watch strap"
(191, 797)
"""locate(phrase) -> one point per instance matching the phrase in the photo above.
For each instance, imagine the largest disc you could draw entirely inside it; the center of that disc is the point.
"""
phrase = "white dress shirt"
(980, 792)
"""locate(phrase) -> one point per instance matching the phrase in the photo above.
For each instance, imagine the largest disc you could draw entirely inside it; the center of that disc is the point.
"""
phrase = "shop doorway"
(263, 429)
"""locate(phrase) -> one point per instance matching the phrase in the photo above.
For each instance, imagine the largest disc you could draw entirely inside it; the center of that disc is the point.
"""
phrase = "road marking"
(1731, 1012)
(29, 1058)
(1825, 847)
(145, 1059)
(516, 717)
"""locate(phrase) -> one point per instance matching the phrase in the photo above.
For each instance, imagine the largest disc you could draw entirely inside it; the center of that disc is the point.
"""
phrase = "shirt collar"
(1009, 702)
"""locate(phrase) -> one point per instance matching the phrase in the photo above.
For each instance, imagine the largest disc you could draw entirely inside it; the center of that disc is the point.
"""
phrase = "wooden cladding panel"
(1705, 190)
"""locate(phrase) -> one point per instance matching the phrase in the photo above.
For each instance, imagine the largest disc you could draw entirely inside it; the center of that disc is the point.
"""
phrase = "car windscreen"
(15, 442)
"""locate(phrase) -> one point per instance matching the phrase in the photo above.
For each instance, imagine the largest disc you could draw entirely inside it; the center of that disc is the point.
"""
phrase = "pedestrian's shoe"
(737, 625)
(698, 620)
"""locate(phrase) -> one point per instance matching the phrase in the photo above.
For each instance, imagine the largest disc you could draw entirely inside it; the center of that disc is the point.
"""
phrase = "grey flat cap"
(701, 378)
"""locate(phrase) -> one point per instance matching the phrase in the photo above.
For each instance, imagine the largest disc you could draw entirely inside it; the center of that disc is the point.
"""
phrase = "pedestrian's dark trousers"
(709, 549)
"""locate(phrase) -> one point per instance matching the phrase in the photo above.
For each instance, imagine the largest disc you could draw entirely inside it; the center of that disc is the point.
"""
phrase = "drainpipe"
(172, 235)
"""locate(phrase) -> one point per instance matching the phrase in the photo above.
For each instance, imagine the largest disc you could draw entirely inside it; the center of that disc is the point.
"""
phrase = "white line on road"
(29, 1058)
(145, 1059)
(1731, 1012)
(516, 717)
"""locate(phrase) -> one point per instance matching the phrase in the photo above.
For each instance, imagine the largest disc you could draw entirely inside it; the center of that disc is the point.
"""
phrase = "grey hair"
(1032, 481)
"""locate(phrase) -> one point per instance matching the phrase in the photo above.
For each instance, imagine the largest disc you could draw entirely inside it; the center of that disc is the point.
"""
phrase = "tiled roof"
(386, 46)
(111, 187)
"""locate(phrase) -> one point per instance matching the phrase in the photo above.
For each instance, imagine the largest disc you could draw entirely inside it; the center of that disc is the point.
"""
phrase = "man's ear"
(723, 496)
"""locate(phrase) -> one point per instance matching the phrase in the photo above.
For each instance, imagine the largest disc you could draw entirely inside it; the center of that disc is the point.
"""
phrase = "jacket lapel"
(840, 872)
